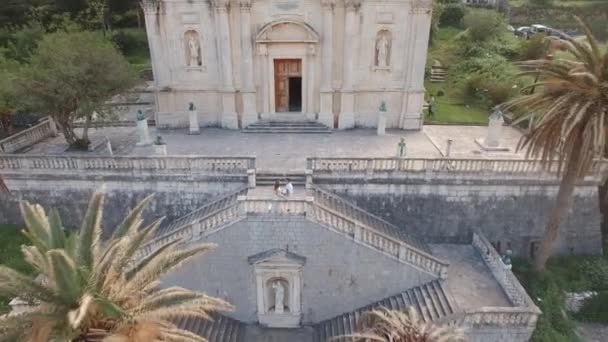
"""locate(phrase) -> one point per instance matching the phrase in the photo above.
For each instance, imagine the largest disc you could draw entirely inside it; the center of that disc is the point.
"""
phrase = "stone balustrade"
(370, 166)
(99, 165)
(367, 235)
(28, 137)
(501, 316)
(505, 277)
(273, 206)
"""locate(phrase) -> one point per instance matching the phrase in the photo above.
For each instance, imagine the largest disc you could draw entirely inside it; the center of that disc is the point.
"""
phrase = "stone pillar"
(420, 16)
(263, 57)
(347, 112)
(250, 114)
(326, 114)
(310, 83)
(193, 120)
(229, 116)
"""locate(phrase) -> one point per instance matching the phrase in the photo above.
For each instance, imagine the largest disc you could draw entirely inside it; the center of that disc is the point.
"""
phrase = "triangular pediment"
(277, 256)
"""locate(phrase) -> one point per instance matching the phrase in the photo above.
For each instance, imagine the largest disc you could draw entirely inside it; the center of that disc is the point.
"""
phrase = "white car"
(537, 28)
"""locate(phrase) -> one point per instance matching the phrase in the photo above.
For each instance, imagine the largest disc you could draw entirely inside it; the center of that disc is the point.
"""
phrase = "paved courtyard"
(289, 151)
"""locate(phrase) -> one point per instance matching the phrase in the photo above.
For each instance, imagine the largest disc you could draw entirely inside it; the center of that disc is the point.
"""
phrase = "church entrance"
(288, 85)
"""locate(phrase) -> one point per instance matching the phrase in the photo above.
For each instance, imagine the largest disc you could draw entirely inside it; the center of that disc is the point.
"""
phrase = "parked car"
(523, 31)
(537, 28)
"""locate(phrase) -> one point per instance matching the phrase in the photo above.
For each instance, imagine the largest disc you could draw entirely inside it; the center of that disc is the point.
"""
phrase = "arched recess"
(287, 39)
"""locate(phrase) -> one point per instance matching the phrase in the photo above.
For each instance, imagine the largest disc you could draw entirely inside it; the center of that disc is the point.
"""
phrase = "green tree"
(71, 77)
(386, 325)
(484, 25)
(569, 119)
(88, 289)
(8, 96)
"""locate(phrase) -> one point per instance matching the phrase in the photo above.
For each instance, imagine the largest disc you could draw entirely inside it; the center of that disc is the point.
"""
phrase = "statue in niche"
(382, 49)
(193, 50)
(279, 297)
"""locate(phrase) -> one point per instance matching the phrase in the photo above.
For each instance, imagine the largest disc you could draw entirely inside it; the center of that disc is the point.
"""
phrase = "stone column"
(347, 112)
(326, 114)
(250, 114)
(152, 13)
(420, 15)
(229, 116)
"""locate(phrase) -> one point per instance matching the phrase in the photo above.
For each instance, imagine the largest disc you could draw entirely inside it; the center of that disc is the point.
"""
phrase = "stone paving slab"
(289, 151)
(469, 279)
(464, 145)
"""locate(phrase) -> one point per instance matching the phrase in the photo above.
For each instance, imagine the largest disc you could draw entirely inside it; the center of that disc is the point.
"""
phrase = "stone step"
(268, 178)
(293, 127)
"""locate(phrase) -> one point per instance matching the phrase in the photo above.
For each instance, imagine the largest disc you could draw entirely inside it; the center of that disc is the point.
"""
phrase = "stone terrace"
(289, 151)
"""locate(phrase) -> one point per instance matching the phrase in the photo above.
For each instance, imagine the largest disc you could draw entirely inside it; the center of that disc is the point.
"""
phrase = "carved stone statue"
(193, 50)
(279, 297)
(382, 51)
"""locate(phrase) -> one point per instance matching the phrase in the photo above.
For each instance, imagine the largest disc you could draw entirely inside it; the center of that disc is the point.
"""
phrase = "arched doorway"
(286, 69)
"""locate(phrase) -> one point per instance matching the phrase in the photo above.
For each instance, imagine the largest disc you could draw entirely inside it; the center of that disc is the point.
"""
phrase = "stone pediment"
(277, 256)
(287, 31)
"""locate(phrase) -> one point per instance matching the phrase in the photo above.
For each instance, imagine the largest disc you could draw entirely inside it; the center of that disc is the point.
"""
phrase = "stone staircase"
(438, 72)
(267, 178)
(338, 204)
(220, 329)
(292, 127)
(431, 301)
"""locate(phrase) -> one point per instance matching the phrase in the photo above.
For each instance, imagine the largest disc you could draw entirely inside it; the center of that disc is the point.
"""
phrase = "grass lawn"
(450, 109)
(10, 255)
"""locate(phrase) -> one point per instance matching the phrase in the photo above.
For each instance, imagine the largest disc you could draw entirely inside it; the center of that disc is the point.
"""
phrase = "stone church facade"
(330, 61)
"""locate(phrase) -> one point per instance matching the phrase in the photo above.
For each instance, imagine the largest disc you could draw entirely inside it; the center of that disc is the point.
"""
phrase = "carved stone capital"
(221, 5)
(150, 6)
(352, 5)
(312, 50)
(245, 5)
(328, 5)
(262, 49)
(422, 7)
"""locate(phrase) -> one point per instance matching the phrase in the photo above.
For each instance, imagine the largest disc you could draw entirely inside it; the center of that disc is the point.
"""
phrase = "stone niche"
(278, 275)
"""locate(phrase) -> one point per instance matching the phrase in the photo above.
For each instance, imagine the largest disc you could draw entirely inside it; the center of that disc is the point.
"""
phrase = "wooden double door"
(288, 85)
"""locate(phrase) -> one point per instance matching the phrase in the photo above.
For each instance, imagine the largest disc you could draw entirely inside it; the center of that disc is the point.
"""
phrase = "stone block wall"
(338, 275)
(173, 197)
(512, 213)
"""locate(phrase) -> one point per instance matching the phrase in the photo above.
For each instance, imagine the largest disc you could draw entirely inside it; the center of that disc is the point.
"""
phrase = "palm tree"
(3, 187)
(386, 325)
(568, 117)
(93, 290)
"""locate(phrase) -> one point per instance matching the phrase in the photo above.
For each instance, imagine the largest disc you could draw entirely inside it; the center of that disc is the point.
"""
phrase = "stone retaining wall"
(445, 200)
(181, 184)
(28, 137)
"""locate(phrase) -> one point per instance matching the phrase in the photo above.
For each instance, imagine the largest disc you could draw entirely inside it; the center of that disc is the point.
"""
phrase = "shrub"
(440, 93)
(595, 309)
(595, 271)
(599, 28)
(499, 92)
(484, 25)
(452, 15)
(473, 89)
(130, 41)
(534, 48)
(541, 3)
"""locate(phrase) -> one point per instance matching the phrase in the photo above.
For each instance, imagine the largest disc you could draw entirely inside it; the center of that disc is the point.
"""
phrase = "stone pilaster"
(347, 115)
(229, 116)
(420, 16)
(326, 115)
(262, 51)
(250, 114)
(152, 13)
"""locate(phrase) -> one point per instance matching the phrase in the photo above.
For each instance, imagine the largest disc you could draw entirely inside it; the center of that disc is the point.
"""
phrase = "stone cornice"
(421, 7)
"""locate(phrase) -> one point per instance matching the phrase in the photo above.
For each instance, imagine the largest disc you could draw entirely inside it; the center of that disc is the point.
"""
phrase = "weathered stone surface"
(508, 212)
(339, 275)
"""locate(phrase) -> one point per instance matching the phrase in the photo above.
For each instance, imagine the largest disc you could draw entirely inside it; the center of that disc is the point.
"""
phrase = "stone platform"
(289, 151)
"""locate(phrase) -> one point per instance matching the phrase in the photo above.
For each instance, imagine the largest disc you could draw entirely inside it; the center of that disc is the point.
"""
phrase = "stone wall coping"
(370, 167)
(42, 164)
(28, 137)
